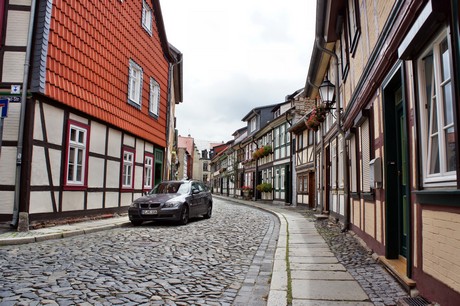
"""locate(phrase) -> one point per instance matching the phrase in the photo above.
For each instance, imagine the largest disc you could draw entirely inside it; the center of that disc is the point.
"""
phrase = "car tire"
(136, 222)
(208, 214)
(184, 215)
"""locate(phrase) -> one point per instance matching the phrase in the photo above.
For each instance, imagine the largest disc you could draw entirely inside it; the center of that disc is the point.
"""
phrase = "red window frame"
(84, 185)
(133, 151)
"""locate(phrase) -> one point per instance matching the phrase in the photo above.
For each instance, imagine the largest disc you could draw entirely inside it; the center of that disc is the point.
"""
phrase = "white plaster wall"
(6, 202)
(39, 173)
(113, 174)
(140, 145)
(13, 67)
(38, 134)
(129, 141)
(78, 118)
(111, 199)
(11, 123)
(138, 177)
(72, 200)
(54, 123)
(95, 172)
(20, 2)
(17, 28)
(114, 143)
(8, 166)
(126, 199)
(97, 141)
(148, 147)
(40, 202)
(94, 200)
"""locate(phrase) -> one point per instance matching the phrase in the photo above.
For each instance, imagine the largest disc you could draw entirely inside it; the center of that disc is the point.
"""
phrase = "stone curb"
(59, 235)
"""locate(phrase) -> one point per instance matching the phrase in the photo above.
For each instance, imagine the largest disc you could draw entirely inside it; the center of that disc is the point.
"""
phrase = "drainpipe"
(256, 174)
(341, 132)
(315, 147)
(25, 85)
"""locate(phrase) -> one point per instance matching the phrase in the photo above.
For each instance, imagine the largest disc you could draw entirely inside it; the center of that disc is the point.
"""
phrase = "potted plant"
(247, 191)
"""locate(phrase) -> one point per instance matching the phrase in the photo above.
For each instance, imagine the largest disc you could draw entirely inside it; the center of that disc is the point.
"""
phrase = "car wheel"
(208, 214)
(136, 222)
(184, 215)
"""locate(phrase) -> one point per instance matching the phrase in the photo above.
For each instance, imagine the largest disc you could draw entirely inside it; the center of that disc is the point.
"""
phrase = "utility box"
(375, 166)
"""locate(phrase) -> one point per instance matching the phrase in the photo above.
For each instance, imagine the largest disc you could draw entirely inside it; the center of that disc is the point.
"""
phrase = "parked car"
(172, 200)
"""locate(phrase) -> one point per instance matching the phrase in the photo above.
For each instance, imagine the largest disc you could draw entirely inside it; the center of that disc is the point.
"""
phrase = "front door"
(396, 170)
(402, 174)
(311, 190)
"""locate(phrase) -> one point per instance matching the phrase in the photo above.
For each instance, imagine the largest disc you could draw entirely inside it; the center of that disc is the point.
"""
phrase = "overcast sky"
(238, 55)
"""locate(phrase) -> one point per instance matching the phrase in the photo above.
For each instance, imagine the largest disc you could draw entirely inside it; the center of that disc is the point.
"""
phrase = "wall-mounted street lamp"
(327, 94)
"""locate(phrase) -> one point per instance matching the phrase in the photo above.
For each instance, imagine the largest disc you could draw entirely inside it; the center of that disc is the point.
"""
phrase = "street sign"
(4, 108)
(15, 89)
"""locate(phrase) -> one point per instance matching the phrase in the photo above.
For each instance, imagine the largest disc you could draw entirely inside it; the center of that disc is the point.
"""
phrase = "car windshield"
(171, 187)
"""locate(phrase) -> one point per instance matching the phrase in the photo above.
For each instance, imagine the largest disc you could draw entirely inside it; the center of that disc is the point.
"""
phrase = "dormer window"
(253, 124)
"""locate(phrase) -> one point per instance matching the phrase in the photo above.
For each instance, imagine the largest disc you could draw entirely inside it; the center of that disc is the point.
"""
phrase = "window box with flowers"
(262, 152)
(316, 117)
(264, 187)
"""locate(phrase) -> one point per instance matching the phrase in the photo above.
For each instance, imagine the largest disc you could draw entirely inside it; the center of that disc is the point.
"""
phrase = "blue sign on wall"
(4, 108)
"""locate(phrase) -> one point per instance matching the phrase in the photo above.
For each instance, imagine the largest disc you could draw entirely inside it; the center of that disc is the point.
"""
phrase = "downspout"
(256, 173)
(341, 132)
(315, 163)
(25, 85)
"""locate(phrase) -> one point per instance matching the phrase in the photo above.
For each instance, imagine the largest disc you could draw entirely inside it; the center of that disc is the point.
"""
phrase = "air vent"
(415, 301)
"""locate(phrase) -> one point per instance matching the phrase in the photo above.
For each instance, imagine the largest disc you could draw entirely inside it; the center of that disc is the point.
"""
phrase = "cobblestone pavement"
(206, 262)
(381, 287)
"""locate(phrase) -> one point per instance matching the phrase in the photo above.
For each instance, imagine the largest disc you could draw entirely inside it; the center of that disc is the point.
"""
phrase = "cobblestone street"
(203, 263)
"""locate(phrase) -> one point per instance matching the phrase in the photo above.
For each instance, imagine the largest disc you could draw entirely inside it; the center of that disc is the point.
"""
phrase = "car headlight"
(135, 205)
(172, 204)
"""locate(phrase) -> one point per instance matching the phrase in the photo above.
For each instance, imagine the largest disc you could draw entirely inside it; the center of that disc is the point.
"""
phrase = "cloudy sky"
(238, 55)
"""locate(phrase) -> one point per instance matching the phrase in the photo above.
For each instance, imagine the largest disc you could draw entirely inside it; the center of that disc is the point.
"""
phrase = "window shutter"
(365, 148)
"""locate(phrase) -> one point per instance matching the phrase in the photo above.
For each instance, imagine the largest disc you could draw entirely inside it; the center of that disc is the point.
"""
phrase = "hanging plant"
(320, 113)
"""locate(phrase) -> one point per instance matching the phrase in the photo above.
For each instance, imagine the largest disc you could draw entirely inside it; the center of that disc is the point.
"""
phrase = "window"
(253, 124)
(154, 97)
(205, 167)
(135, 84)
(353, 28)
(365, 156)
(333, 153)
(77, 155)
(344, 54)
(148, 171)
(146, 17)
(340, 163)
(353, 165)
(127, 177)
(302, 184)
(436, 112)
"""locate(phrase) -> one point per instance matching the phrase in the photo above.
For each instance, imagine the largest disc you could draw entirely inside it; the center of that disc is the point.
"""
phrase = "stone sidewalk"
(305, 271)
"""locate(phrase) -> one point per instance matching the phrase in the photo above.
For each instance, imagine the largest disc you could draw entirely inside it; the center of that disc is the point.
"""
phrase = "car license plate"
(150, 212)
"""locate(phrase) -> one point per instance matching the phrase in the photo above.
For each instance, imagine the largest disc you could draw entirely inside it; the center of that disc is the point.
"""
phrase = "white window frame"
(154, 105)
(127, 177)
(444, 177)
(76, 166)
(135, 84)
(148, 171)
(253, 124)
(147, 17)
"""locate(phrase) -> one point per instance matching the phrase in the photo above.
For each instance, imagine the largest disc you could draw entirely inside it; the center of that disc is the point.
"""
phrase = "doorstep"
(398, 268)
